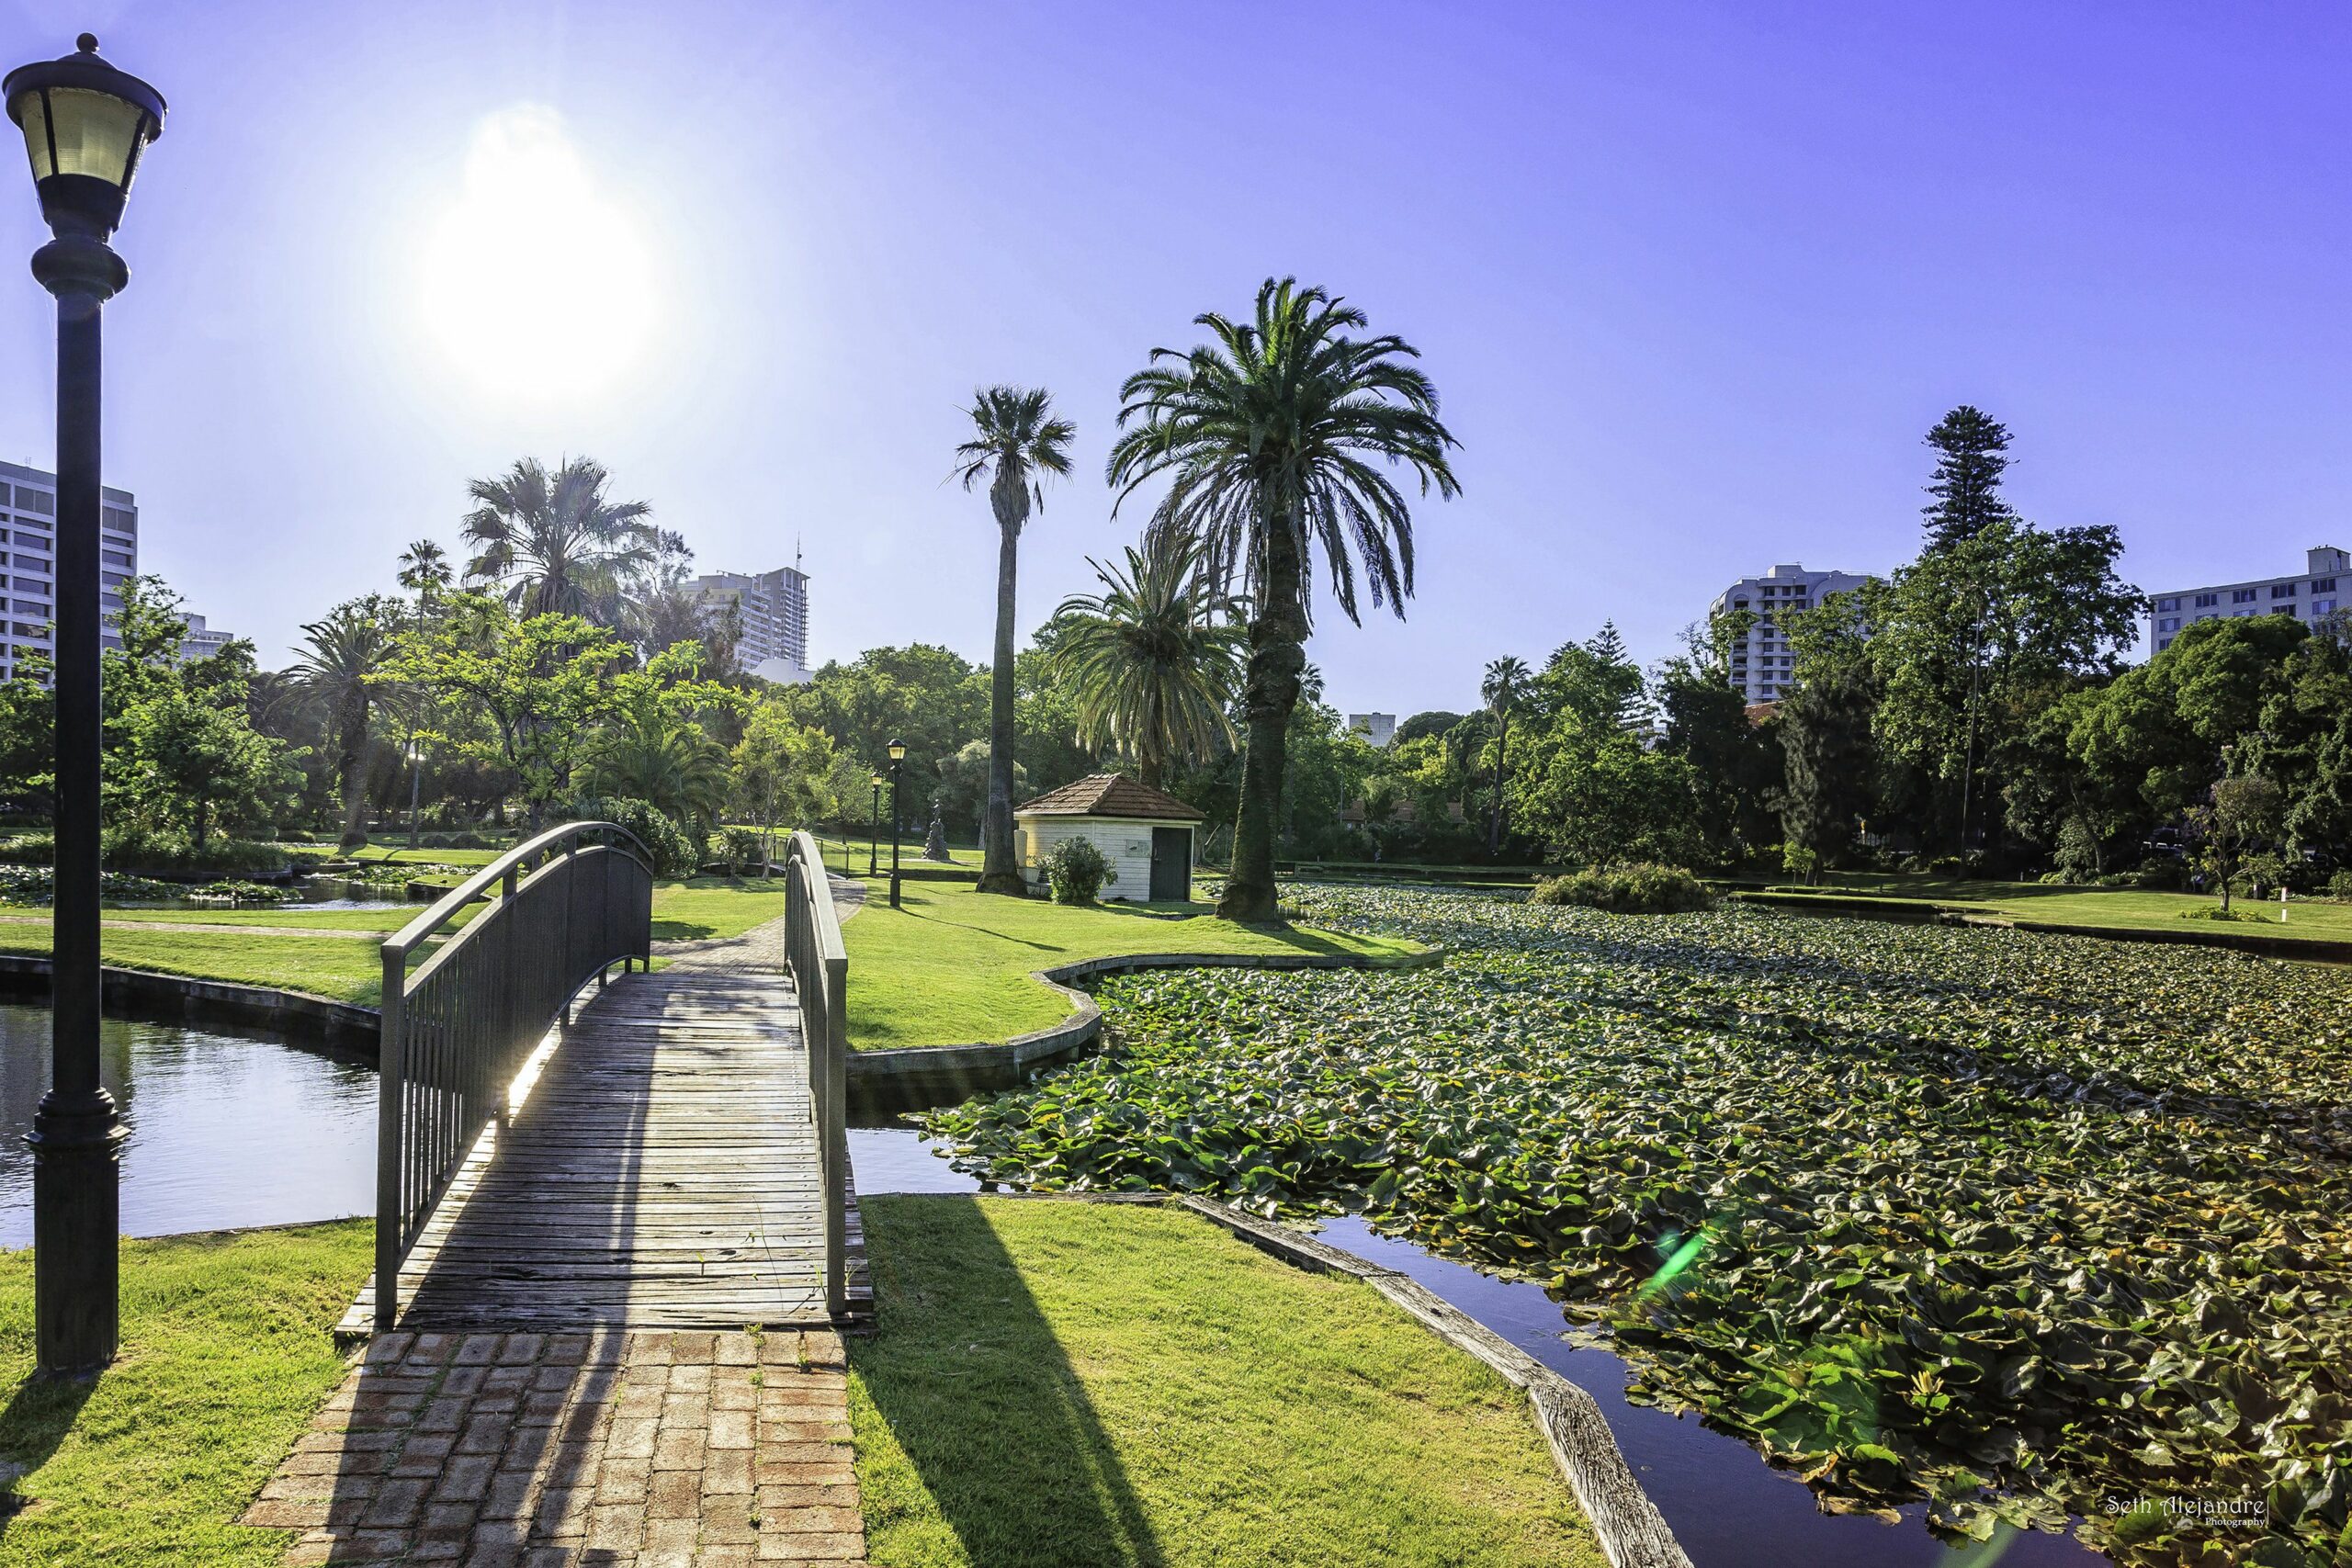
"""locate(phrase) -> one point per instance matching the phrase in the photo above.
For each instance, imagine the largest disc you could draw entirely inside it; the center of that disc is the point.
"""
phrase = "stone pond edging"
(154, 997)
(916, 1077)
(1632, 1532)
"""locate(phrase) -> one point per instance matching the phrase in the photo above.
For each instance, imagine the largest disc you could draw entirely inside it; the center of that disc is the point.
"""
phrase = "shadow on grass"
(40, 1412)
(978, 1392)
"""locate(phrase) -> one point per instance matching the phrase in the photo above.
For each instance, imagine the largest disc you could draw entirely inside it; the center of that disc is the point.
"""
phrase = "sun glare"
(538, 284)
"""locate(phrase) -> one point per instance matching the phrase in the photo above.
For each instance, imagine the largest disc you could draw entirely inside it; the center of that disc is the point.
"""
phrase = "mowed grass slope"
(952, 966)
(1060, 1384)
(225, 1355)
(2121, 908)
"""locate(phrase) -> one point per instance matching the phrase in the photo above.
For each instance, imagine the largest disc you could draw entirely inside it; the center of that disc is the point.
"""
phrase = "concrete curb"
(178, 998)
(917, 1077)
(1632, 1532)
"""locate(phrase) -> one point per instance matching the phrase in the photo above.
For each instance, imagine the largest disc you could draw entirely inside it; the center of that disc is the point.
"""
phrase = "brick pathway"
(601, 1449)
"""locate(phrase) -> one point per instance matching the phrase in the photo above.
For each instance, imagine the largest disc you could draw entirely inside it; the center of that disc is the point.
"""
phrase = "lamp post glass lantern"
(85, 125)
(898, 756)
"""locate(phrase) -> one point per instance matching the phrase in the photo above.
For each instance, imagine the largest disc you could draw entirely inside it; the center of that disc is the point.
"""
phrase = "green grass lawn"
(344, 970)
(1059, 1383)
(952, 966)
(701, 907)
(225, 1357)
(2121, 908)
(394, 849)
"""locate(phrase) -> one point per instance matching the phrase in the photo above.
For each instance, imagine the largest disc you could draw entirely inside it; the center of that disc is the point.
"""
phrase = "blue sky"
(1693, 278)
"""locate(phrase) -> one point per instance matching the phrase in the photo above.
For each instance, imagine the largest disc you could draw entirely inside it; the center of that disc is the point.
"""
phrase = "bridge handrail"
(457, 1028)
(819, 967)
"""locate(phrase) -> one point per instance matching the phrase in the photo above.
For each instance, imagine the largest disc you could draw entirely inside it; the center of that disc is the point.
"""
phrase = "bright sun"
(537, 285)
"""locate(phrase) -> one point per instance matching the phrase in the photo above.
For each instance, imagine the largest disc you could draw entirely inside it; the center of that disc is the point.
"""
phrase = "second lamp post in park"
(898, 756)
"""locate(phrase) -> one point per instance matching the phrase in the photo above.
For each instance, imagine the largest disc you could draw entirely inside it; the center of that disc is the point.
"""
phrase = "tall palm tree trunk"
(355, 780)
(1000, 871)
(1269, 693)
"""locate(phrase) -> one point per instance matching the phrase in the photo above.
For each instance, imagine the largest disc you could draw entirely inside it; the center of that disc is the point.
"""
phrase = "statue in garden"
(934, 843)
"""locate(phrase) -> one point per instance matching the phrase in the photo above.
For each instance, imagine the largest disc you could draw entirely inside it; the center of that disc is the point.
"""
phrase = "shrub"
(1638, 889)
(2340, 886)
(674, 852)
(244, 892)
(29, 849)
(1795, 859)
(1076, 870)
(138, 849)
(2162, 873)
(465, 841)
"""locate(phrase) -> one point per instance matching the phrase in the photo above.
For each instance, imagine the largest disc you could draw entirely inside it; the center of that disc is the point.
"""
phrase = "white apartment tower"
(1762, 662)
(28, 515)
(2323, 587)
(774, 609)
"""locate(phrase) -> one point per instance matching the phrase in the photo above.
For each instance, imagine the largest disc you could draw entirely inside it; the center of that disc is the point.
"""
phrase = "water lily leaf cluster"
(2024, 1227)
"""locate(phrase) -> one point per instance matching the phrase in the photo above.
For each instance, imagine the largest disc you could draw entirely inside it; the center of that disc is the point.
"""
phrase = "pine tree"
(1971, 449)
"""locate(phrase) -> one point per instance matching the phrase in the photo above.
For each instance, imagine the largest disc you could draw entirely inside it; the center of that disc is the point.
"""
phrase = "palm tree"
(554, 540)
(668, 763)
(345, 651)
(424, 570)
(1153, 659)
(1506, 679)
(1015, 440)
(1270, 433)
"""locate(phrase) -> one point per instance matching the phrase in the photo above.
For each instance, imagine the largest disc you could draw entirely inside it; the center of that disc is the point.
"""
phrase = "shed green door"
(1171, 865)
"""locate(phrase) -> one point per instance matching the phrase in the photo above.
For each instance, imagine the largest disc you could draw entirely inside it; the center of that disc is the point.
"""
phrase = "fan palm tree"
(1015, 441)
(666, 761)
(555, 542)
(424, 570)
(1270, 434)
(1506, 679)
(343, 653)
(1153, 659)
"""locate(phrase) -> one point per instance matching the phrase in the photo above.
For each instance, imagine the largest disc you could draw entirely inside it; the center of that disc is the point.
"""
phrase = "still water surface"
(225, 1130)
(1726, 1506)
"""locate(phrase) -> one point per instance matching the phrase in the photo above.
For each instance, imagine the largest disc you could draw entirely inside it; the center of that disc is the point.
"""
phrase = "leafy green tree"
(1153, 659)
(924, 695)
(1735, 761)
(781, 771)
(1969, 640)
(1825, 729)
(196, 765)
(526, 695)
(1972, 452)
(1594, 794)
(556, 542)
(1270, 436)
(1016, 441)
(1501, 690)
(345, 655)
(2241, 812)
(1430, 721)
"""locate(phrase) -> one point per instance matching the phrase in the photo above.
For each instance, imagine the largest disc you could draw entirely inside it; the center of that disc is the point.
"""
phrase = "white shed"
(1146, 834)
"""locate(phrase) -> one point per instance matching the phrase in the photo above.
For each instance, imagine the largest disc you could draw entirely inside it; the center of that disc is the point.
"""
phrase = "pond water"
(1726, 1506)
(225, 1130)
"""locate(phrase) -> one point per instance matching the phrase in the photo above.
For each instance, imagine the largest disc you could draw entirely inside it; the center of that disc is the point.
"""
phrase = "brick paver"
(602, 1450)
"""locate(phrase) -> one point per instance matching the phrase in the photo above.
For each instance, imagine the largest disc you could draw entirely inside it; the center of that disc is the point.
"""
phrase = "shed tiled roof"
(1109, 795)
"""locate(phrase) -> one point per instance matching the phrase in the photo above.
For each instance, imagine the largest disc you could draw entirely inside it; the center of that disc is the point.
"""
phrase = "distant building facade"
(28, 517)
(774, 610)
(1762, 663)
(2323, 587)
(201, 641)
(1376, 729)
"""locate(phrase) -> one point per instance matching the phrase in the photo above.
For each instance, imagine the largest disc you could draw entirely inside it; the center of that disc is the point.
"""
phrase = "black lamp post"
(874, 831)
(898, 756)
(84, 124)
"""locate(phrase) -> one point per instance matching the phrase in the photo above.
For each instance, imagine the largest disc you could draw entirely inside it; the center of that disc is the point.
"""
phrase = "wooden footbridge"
(570, 1141)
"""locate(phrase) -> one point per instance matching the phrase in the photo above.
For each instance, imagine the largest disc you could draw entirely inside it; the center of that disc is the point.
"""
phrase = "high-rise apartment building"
(1762, 664)
(774, 609)
(28, 512)
(28, 571)
(2323, 587)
